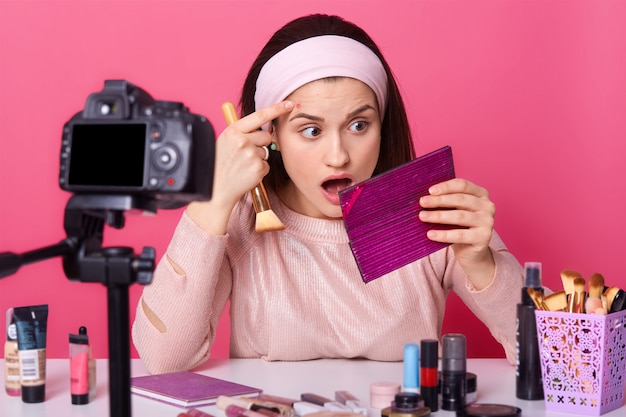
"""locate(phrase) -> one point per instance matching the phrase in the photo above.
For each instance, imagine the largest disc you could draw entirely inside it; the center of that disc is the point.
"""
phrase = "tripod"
(85, 260)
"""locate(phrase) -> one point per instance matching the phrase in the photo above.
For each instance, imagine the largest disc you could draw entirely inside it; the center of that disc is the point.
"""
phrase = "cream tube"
(79, 367)
(12, 383)
(32, 323)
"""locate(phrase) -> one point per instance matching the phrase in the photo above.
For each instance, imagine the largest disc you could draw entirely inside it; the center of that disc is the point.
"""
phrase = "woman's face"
(330, 141)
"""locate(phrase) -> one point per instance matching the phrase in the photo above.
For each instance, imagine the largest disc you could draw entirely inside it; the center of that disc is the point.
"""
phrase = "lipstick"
(429, 360)
(192, 412)
(356, 405)
(277, 399)
(255, 404)
(304, 407)
(233, 410)
(327, 403)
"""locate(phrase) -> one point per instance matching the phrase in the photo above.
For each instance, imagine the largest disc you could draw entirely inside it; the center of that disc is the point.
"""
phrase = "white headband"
(316, 58)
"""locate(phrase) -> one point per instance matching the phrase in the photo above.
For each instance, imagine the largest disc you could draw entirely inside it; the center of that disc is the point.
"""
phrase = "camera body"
(126, 143)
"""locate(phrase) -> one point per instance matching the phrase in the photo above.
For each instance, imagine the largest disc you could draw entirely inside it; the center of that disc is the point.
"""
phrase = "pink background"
(531, 96)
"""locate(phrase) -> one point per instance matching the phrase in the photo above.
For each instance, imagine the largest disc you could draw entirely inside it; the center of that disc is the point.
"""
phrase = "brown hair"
(396, 145)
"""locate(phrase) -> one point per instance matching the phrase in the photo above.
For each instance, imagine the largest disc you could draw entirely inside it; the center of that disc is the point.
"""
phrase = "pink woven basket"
(583, 361)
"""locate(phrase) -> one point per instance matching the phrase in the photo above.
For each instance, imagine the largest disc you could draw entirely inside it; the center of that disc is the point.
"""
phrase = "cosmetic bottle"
(471, 385)
(79, 367)
(92, 375)
(12, 383)
(31, 323)
(429, 363)
(453, 372)
(528, 382)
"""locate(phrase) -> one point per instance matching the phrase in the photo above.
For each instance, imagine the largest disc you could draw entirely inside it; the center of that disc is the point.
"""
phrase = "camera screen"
(107, 155)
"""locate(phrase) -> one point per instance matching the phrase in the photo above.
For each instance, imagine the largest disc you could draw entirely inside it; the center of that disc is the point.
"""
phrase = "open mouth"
(336, 185)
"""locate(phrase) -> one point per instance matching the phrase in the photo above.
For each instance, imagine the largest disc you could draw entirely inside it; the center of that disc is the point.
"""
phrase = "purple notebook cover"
(188, 389)
(381, 214)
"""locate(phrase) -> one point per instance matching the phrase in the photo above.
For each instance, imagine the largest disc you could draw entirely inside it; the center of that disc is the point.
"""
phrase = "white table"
(496, 384)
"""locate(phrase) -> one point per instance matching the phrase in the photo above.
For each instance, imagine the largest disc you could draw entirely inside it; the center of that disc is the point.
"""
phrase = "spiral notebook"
(381, 214)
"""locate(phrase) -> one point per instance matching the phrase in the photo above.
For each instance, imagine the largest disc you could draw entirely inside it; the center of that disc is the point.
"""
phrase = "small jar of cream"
(383, 393)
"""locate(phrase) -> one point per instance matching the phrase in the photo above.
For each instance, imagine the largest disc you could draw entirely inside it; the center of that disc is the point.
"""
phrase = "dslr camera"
(126, 143)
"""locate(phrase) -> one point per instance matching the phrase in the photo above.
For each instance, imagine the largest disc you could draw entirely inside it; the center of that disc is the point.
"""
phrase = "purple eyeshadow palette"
(381, 214)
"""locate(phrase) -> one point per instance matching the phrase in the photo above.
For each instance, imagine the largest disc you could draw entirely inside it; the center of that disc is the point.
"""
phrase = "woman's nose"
(336, 155)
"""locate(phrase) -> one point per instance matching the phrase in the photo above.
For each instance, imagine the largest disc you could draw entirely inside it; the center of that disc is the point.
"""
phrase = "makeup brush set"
(381, 214)
(574, 298)
(581, 332)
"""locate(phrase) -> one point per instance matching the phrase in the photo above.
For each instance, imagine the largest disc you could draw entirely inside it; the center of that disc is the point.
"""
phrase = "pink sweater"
(297, 294)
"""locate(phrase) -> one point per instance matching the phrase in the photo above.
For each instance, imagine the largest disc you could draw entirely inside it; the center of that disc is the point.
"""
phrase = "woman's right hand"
(240, 166)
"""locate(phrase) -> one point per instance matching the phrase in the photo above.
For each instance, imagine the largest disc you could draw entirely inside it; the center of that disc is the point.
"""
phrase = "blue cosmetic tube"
(32, 323)
(411, 367)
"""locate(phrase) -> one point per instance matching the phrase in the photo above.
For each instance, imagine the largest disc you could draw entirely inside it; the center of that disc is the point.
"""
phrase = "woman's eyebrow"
(321, 119)
(306, 116)
(360, 110)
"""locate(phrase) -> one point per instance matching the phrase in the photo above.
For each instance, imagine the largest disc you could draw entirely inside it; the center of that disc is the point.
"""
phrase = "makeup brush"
(556, 301)
(593, 304)
(266, 219)
(537, 298)
(616, 299)
(609, 295)
(579, 295)
(568, 277)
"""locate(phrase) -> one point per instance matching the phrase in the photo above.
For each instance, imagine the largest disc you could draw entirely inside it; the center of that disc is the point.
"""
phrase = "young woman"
(321, 94)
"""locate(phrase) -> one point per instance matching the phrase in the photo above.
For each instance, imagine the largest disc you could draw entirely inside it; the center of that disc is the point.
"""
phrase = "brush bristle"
(596, 285)
(268, 221)
(579, 284)
(610, 294)
(531, 293)
(568, 277)
(537, 298)
(579, 295)
(556, 301)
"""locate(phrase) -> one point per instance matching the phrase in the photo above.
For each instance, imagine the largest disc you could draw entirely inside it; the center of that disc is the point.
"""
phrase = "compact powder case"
(490, 410)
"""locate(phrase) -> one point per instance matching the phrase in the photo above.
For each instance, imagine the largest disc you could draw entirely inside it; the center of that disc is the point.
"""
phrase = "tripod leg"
(119, 351)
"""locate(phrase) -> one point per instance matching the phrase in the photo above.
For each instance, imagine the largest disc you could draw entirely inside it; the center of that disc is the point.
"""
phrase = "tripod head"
(85, 218)
(84, 258)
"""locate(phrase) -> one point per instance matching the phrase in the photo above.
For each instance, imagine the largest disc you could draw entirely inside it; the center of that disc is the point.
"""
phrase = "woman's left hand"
(462, 203)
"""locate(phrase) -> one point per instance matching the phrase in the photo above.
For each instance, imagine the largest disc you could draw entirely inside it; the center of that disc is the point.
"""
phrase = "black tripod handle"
(10, 262)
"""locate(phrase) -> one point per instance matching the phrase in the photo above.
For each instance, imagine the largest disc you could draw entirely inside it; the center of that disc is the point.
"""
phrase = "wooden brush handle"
(230, 114)
(259, 195)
